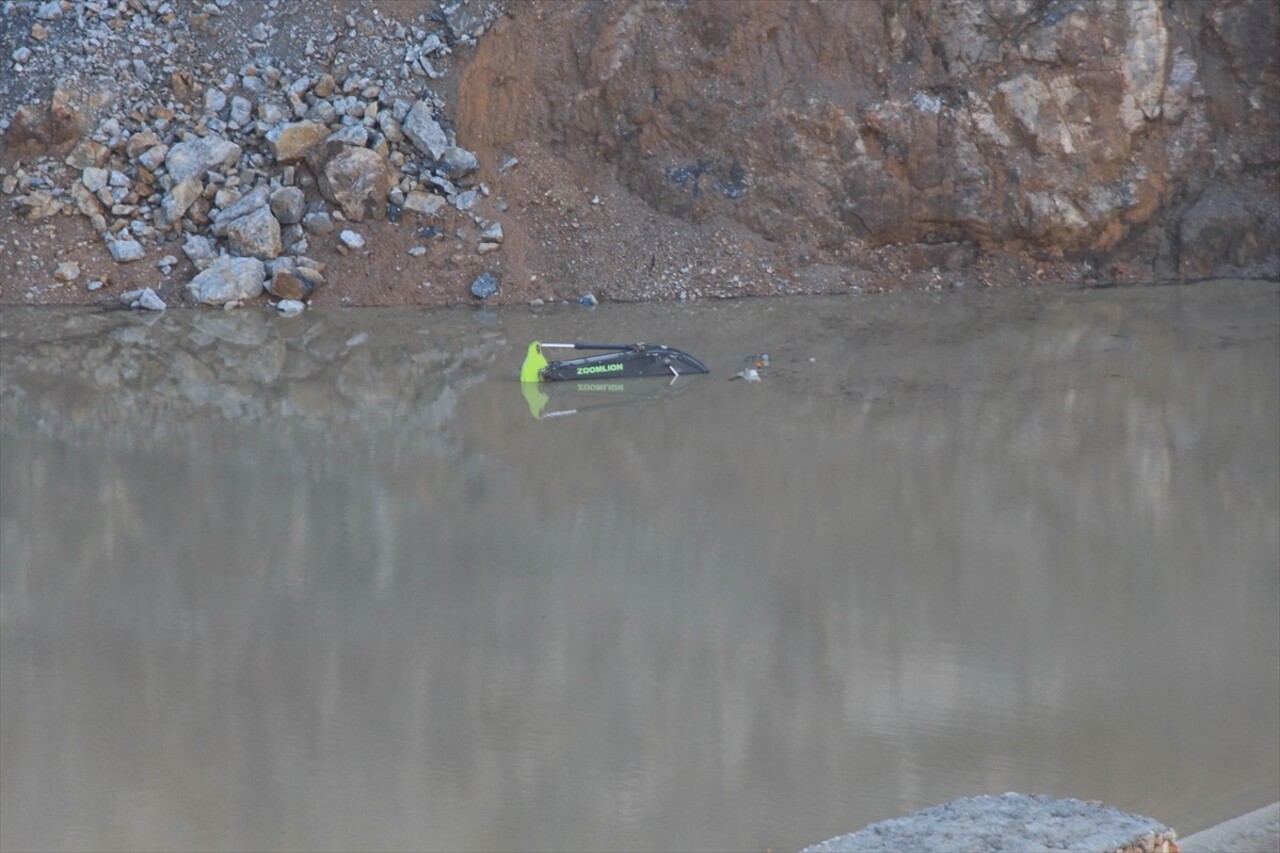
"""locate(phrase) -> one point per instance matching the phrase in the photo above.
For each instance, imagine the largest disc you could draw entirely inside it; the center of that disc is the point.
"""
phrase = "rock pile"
(241, 174)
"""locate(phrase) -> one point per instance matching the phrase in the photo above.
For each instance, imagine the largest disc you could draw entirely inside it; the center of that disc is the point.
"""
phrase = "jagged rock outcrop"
(1095, 131)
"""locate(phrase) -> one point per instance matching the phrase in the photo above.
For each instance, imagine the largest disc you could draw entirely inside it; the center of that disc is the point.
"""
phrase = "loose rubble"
(245, 169)
(145, 299)
(987, 144)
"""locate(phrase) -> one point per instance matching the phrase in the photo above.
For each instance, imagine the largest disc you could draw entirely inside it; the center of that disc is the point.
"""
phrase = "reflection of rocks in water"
(245, 366)
(245, 328)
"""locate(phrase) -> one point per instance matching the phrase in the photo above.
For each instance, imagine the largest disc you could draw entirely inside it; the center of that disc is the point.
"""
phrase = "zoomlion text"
(599, 368)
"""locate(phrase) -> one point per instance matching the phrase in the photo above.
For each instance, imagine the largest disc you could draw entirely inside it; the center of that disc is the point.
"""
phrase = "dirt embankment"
(632, 150)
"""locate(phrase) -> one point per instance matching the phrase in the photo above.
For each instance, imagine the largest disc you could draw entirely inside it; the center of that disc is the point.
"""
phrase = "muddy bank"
(396, 152)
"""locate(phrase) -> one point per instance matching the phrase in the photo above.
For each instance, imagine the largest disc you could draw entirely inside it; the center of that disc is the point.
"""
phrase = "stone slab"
(1255, 832)
(1031, 823)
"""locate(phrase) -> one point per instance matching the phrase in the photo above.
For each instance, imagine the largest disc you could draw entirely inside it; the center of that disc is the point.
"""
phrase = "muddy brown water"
(327, 583)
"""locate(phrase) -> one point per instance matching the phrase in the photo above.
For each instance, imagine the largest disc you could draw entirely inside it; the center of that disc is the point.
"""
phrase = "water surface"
(326, 583)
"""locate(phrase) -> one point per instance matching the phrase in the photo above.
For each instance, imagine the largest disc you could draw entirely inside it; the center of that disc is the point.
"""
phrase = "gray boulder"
(125, 250)
(428, 204)
(255, 235)
(228, 279)
(179, 200)
(198, 248)
(357, 180)
(484, 286)
(247, 204)
(153, 158)
(95, 178)
(424, 131)
(288, 204)
(457, 162)
(148, 301)
(356, 135)
(241, 111)
(215, 101)
(318, 222)
(193, 158)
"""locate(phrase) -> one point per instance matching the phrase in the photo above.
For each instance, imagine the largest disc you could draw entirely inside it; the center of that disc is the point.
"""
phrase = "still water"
(327, 583)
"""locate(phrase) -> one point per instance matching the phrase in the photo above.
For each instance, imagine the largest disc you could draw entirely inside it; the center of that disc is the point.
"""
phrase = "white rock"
(243, 206)
(428, 204)
(241, 110)
(123, 251)
(198, 247)
(95, 179)
(424, 131)
(215, 100)
(149, 301)
(153, 157)
(465, 200)
(193, 158)
(228, 280)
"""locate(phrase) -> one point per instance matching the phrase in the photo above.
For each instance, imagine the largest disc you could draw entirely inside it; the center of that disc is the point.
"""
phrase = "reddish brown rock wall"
(1099, 131)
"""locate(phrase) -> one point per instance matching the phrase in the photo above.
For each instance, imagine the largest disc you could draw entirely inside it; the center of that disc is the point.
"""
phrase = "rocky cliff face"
(1132, 138)
(399, 152)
